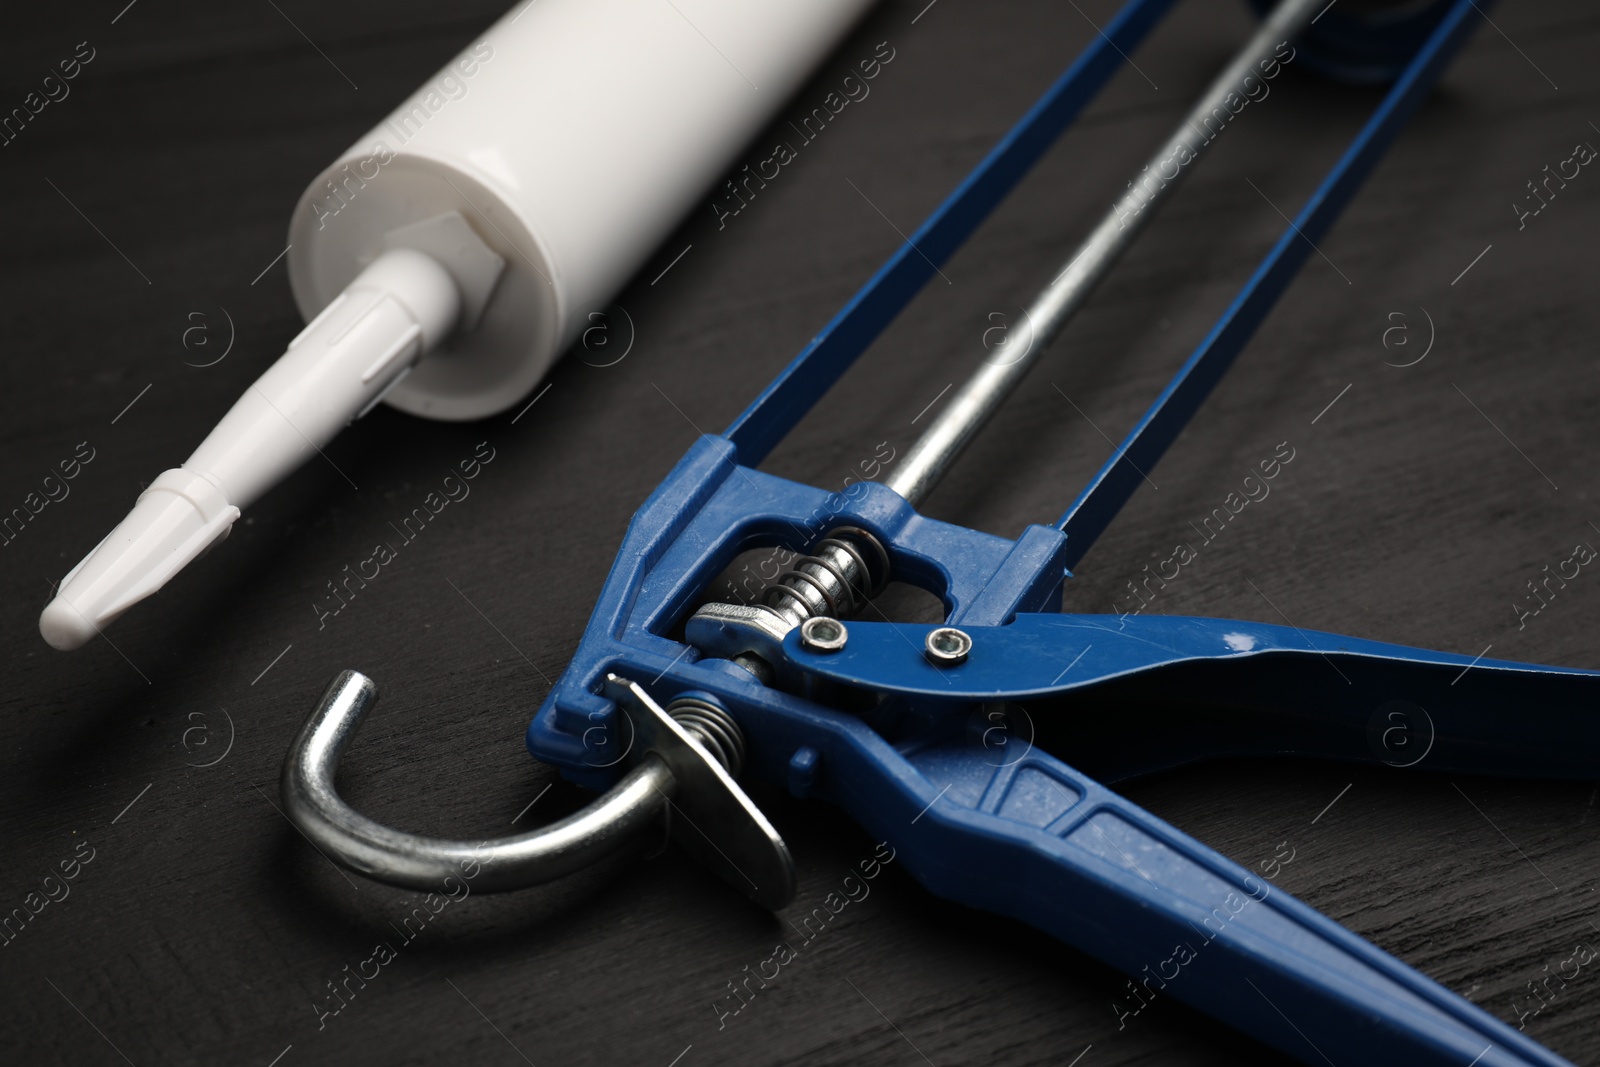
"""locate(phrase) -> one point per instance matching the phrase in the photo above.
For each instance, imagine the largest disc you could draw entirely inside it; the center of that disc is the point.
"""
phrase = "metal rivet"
(822, 634)
(947, 646)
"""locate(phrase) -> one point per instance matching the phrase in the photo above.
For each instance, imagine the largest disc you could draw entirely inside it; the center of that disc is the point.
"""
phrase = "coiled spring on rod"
(713, 728)
(835, 580)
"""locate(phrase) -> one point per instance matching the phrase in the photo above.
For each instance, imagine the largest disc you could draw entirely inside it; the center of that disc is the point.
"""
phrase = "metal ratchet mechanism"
(887, 720)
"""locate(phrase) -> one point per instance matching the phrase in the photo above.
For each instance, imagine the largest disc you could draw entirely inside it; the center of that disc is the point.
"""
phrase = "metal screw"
(821, 634)
(947, 646)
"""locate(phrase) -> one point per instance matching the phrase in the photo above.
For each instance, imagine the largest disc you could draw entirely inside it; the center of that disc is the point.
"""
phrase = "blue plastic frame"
(1029, 836)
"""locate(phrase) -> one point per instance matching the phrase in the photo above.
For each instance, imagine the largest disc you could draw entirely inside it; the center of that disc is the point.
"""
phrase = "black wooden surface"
(205, 929)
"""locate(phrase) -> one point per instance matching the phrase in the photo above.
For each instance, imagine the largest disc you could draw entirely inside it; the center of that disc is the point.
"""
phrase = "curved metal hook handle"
(605, 827)
(724, 829)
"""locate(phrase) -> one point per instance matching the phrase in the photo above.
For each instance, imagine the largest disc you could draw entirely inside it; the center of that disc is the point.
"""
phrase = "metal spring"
(834, 580)
(712, 727)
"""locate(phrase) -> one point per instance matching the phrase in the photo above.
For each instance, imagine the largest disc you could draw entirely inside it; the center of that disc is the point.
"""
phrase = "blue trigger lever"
(937, 739)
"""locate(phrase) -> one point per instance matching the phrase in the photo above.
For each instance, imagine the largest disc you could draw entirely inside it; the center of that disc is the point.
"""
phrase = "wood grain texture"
(204, 929)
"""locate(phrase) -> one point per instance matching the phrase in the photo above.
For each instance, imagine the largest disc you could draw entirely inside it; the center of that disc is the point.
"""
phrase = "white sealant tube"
(450, 255)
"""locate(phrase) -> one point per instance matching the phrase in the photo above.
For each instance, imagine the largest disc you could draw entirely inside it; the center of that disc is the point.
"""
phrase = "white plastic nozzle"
(340, 365)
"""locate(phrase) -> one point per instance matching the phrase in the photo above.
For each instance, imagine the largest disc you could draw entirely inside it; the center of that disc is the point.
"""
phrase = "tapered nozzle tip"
(64, 627)
(174, 522)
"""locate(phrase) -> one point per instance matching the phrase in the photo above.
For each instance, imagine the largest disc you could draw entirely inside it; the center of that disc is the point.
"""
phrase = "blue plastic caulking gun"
(670, 698)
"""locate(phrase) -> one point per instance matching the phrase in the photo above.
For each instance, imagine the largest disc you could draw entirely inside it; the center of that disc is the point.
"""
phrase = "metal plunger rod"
(981, 395)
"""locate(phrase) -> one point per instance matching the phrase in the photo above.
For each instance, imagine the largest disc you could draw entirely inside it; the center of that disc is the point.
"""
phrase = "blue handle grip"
(1044, 844)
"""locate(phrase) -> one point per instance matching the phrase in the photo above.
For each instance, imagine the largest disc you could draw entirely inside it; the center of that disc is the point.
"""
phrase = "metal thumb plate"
(711, 817)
